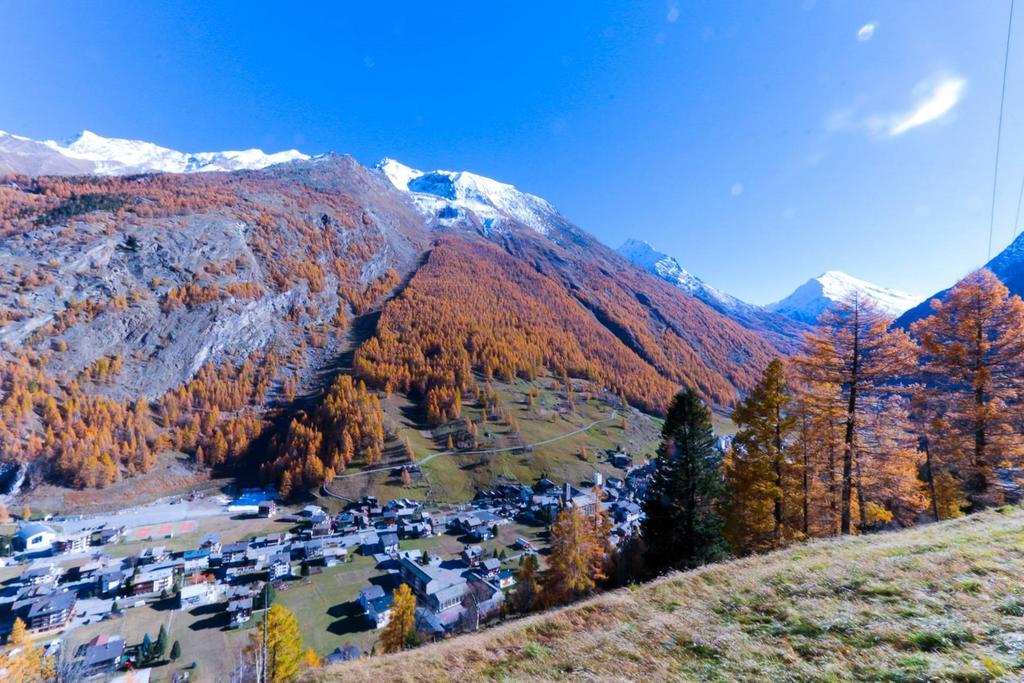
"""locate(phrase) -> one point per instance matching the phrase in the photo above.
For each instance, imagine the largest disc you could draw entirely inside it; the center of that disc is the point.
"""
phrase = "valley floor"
(939, 602)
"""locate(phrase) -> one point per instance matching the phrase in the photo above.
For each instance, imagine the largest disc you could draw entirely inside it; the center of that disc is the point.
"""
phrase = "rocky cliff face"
(254, 253)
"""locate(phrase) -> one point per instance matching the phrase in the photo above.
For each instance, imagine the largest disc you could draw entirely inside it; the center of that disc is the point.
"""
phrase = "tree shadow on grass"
(349, 618)
(216, 617)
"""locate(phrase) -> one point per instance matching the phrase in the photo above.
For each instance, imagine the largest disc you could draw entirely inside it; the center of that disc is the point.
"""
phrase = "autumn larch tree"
(284, 644)
(403, 620)
(889, 484)
(527, 590)
(29, 665)
(972, 349)
(683, 526)
(576, 563)
(758, 467)
(853, 351)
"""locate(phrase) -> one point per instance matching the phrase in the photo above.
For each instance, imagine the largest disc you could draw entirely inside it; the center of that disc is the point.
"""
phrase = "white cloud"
(866, 32)
(736, 190)
(935, 98)
(673, 11)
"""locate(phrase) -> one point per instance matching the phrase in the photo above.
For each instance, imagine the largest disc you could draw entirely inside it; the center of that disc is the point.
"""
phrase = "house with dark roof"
(349, 653)
(376, 604)
(389, 544)
(438, 588)
(49, 611)
(109, 582)
(44, 574)
(103, 654)
(153, 581)
(240, 609)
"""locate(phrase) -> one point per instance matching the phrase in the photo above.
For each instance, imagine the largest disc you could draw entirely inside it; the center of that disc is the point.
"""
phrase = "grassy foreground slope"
(940, 602)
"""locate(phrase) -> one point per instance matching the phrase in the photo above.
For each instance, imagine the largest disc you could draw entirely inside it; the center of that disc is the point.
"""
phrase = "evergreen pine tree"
(175, 651)
(683, 527)
(160, 647)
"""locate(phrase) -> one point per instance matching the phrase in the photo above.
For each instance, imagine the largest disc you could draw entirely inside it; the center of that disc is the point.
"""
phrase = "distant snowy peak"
(92, 153)
(784, 333)
(668, 268)
(452, 195)
(819, 294)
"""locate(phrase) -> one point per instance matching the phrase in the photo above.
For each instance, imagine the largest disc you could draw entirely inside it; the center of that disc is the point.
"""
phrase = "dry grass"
(940, 602)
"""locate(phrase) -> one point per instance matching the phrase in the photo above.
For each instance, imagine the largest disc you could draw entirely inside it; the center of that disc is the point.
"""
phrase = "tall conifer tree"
(683, 527)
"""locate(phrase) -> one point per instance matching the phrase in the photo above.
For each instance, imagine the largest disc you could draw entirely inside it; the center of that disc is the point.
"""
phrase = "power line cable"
(999, 133)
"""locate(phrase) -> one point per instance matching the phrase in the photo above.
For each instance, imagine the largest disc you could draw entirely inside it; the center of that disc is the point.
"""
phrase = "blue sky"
(759, 142)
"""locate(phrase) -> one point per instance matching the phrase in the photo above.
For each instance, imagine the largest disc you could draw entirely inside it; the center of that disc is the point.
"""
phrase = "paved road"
(488, 451)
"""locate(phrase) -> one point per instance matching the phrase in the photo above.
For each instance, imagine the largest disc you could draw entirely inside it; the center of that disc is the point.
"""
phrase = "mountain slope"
(937, 602)
(784, 333)
(1008, 266)
(89, 153)
(683, 339)
(166, 299)
(819, 294)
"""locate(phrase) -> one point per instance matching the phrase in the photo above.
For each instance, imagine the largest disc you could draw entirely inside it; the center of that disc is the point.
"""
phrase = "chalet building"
(109, 582)
(49, 612)
(102, 655)
(506, 579)
(233, 553)
(471, 555)
(37, 576)
(72, 544)
(376, 604)
(195, 561)
(240, 610)
(279, 566)
(154, 581)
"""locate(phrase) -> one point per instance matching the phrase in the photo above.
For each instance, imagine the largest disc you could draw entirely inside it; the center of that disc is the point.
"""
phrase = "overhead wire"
(999, 132)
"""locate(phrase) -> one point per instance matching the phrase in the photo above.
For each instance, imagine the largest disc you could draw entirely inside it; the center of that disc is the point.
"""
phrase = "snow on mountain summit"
(668, 268)
(814, 297)
(116, 156)
(785, 333)
(452, 195)
(92, 153)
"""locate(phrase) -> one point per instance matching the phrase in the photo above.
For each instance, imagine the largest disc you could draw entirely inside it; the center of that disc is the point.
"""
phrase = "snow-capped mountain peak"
(89, 152)
(452, 195)
(814, 297)
(668, 268)
(784, 332)
(398, 173)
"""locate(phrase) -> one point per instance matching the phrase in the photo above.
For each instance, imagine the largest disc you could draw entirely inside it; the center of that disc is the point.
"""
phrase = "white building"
(35, 538)
(197, 594)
